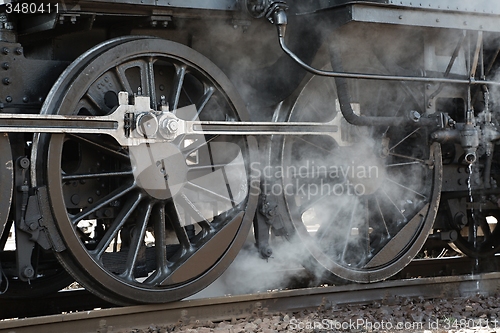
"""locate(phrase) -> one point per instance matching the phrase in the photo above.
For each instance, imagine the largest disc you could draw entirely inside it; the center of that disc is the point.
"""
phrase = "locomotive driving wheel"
(480, 236)
(7, 184)
(362, 200)
(474, 216)
(149, 223)
(50, 275)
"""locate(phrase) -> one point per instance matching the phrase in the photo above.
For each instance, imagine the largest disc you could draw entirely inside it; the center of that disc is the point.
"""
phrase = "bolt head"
(173, 125)
(28, 272)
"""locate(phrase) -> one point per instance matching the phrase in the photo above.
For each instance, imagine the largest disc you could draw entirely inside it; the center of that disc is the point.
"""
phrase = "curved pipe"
(345, 102)
(340, 76)
(281, 21)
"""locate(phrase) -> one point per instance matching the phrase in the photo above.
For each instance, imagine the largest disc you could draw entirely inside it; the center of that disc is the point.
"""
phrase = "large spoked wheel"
(480, 237)
(7, 185)
(50, 275)
(361, 200)
(478, 231)
(156, 223)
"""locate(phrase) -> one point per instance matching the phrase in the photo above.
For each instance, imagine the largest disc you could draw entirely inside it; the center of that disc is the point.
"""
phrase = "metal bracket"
(25, 242)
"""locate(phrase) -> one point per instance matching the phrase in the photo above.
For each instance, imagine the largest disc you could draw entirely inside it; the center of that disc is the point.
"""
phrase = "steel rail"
(82, 300)
(237, 307)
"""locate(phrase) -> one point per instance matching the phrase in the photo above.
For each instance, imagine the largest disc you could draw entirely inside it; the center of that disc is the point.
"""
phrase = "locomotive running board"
(135, 124)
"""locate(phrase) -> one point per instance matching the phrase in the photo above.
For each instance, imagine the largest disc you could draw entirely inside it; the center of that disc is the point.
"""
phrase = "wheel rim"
(375, 230)
(7, 181)
(127, 240)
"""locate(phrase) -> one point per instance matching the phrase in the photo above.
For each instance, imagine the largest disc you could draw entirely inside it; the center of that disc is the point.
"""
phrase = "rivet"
(8, 99)
(75, 199)
(6, 81)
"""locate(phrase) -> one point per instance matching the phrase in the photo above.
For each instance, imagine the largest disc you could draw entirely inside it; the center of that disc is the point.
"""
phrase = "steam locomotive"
(141, 140)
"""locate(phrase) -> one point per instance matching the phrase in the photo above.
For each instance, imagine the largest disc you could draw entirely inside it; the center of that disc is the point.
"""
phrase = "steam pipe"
(280, 20)
(345, 101)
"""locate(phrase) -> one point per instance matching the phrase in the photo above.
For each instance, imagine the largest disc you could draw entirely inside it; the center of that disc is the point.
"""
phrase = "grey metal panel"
(420, 17)
(129, 2)
(194, 4)
(205, 4)
(477, 6)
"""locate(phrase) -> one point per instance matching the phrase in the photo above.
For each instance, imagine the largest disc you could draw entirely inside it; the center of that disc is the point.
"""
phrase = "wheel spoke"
(408, 158)
(122, 78)
(194, 212)
(382, 216)
(117, 224)
(162, 270)
(92, 101)
(116, 194)
(151, 82)
(349, 230)
(137, 241)
(402, 164)
(407, 188)
(203, 102)
(403, 139)
(200, 142)
(301, 138)
(180, 72)
(325, 228)
(179, 230)
(101, 147)
(97, 175)
(393, 204)
(312, 202)
(213, 194)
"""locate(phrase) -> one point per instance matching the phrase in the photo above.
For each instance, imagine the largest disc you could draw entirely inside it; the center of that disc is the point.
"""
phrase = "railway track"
(80, 311)
(243, 306)
(81, 300)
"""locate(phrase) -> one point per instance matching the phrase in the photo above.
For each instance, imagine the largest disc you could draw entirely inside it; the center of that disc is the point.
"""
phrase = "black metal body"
(439, 56)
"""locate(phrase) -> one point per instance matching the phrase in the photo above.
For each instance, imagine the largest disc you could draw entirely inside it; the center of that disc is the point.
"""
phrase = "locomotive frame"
(155, 92)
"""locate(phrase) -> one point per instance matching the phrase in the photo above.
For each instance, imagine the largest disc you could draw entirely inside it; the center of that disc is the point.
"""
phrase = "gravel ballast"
(479, 314)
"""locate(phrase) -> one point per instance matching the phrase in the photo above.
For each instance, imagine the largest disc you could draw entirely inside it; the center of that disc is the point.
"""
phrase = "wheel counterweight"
(157, 222)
